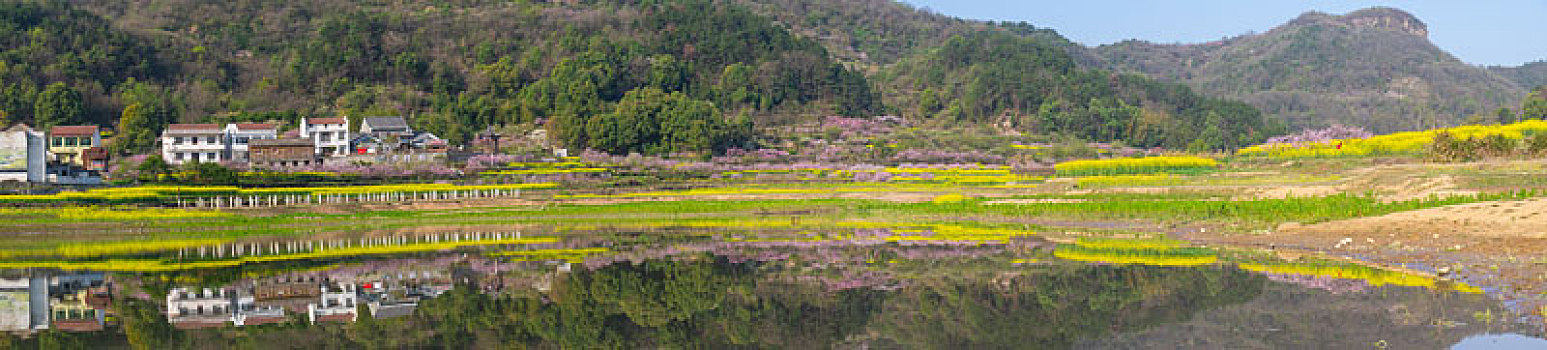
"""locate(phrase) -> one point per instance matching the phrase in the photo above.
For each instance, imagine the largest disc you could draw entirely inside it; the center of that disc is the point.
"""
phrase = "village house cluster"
(317, 298)
(315, 139)
(82, 302)
(77, 154)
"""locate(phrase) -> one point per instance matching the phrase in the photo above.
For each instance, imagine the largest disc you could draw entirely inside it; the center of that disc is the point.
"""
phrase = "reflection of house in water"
(85, 310)
(290, 292)
(337, 304)
(201, 308)
(73, 302)
(23, 304)
(251, 313)
(397, 294)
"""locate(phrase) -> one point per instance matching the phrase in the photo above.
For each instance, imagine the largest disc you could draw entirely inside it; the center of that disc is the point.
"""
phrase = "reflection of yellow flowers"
(77, 250)
(1373, 276)
(112, 214)
(157, 265)
(1119, 243)
(161, 193)
(1148, 257)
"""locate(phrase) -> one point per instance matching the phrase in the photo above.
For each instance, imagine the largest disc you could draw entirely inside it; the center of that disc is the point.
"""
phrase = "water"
(860, 288)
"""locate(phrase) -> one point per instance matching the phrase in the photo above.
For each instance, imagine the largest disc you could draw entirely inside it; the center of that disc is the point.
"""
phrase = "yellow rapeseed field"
(1402, 143)
(1129, 166)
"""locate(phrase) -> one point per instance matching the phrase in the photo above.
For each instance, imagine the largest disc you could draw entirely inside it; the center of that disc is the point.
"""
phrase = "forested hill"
(697, 73)
(1374, 68)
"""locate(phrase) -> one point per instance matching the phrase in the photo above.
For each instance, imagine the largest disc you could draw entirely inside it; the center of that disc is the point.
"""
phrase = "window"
(195, 156)
(210, 139)
(210, 156)
(177, 140)
(327, 137)
(177, 157)
(69, 142)
(58, 142)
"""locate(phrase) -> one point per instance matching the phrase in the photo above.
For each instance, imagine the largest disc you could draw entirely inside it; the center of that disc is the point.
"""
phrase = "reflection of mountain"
(1287, 317)
(1055, 309)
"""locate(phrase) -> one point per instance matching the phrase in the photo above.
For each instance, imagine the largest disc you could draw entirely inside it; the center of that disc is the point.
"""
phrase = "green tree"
(153, 167)
(1535, 105)
(1505, 116)
(159, 104)
(653, 121)
(669, 74)
(210, 173)
(136, 131)
(59, 104)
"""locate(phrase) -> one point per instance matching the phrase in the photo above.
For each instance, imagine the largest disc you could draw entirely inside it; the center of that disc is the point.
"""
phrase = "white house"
(181, 143)
(23, 155)
(330, 136)
(187, 308)
(337, 304)
(250, 313)
(240, 135)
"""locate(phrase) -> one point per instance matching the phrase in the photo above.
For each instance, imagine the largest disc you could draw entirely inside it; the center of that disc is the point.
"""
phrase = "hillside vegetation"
(457, 67)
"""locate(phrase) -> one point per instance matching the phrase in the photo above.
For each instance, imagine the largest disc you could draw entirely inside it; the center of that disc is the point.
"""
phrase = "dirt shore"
(1500, 246)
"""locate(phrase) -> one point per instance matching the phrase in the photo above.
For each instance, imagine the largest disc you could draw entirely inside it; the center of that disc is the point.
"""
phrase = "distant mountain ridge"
(1529, 75)
(1373, 67)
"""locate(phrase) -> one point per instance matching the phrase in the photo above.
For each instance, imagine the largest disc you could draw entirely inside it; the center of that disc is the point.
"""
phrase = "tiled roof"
(336, 318)
(387, 123)
(75, 130)
(192, 128)
(315, 121)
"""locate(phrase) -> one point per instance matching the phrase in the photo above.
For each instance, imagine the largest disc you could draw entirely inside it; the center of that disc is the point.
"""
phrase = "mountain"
(1529, 75)
(588, 71)
(1012, 75)
(1374, 68)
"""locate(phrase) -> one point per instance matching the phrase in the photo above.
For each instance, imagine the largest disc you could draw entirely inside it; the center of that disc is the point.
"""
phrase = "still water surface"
(694, 288)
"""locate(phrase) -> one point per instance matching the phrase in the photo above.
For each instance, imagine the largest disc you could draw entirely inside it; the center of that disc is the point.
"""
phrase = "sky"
(1480, 32)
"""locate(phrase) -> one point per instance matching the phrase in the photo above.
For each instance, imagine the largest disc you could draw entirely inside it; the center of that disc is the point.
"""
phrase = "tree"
(59, 105)
(669, 74)
(153, 167)
(1535, 105)
(209, 174)
(1505, 116)
(159, 104)
(136, 131)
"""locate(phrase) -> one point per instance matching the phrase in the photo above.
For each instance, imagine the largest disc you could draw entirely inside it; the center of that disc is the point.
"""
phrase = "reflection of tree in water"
(1054, 310)
(709, 302)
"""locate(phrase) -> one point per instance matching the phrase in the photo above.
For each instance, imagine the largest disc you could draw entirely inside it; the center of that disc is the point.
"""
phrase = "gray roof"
(394, 310)
(387, 123)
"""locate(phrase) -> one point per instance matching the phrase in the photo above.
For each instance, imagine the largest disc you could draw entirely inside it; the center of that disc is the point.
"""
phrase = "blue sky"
(1481, 32)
